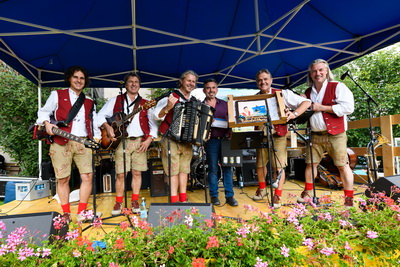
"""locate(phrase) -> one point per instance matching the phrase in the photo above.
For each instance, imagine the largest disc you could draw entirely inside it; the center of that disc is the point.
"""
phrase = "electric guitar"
(117, 123)
(40, 134)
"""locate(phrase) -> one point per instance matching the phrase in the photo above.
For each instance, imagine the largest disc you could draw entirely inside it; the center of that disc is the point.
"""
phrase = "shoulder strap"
(75, 108)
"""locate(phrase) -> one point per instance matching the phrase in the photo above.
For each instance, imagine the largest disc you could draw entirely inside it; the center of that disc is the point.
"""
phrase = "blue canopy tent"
(229, 40)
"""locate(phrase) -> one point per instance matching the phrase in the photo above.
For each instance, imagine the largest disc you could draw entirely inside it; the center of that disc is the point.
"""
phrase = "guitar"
(40, 134)
(117, 123)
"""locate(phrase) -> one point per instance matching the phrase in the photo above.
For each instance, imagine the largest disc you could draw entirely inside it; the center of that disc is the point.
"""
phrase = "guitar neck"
(133, 113)
(69, 136)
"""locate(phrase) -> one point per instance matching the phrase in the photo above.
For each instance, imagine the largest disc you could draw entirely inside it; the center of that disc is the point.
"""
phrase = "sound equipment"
(230, 157)
(248, 172)
(39, 226)
(169, 214)
(296, 168)
(385, 184)
(191, 122)
(158, 186)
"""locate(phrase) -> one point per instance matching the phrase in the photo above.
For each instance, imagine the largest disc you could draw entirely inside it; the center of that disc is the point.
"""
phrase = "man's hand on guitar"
(110, 131)
(49, 126)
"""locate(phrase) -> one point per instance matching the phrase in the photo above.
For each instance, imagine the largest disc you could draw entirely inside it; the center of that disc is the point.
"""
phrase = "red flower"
(212, 242)
(198, 262)
(119, 243)
(171, 250)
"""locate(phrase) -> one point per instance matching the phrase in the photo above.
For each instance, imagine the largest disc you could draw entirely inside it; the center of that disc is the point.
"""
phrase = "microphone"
(344, 75)
(278, 178)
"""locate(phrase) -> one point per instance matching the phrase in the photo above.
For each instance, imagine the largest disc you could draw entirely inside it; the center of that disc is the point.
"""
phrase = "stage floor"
(105, 203)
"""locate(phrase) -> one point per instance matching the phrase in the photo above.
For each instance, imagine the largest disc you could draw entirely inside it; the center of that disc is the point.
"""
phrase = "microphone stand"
(270, 145)
(369, 99)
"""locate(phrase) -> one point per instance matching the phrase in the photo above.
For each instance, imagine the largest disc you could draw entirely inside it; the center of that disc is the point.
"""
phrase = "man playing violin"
(141, 131)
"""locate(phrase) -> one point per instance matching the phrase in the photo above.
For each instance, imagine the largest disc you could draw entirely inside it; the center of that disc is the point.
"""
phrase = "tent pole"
(39, 141)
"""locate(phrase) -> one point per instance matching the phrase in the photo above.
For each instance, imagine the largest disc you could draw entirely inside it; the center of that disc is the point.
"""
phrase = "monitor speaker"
(385, 184)
(158, 212)
(39, 226)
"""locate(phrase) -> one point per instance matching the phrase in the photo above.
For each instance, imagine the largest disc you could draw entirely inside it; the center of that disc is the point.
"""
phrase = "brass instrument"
(377, 141)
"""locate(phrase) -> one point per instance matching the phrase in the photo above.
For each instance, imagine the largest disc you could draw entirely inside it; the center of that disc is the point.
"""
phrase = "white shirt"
(134, 129)
(344, 105)
(78, 125)
(162, 104)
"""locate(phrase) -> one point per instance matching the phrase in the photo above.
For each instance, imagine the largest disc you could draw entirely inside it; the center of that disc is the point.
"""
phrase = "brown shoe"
(117, 209)
(67, 217)
(277, 202)
(260, 194)
(135, 206)
(306, 194)
(348, 202)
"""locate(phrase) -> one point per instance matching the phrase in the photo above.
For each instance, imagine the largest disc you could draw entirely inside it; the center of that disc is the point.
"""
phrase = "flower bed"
(299, 236)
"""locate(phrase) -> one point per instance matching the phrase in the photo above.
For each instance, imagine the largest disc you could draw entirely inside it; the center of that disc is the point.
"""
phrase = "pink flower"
(171, 250)
(112, 264)
(189, 220)
(260, 263)
(250, 208)
(212, 242)
(194, 210)
(97, 222)
(124, 225)
(347, 246)
(46, 252)
(285, 251)
(243, 231)
(209, 222)
(76, 253)
(327, 251)
(72, 235)
(309, 243)
(2, 226)
(372, 234)
(299, 228)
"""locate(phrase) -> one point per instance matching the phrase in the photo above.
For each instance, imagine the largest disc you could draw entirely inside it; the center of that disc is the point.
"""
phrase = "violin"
(328, 173)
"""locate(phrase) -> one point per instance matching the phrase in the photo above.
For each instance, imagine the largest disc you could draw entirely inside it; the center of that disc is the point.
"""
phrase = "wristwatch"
(296, 113)
(165, 110)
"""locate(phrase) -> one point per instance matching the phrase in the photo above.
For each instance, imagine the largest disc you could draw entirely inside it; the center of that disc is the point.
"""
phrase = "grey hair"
(263, 71)
(329, 76)
(183, 75)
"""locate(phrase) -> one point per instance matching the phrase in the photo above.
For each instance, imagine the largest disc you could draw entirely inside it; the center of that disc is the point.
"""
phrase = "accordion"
(191, 122)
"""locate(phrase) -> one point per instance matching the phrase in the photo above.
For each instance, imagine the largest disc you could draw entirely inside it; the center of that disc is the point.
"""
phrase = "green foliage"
(18, 110)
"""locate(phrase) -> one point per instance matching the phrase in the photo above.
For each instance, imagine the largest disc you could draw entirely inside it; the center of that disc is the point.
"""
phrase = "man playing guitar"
(62, 151)
(141, 131)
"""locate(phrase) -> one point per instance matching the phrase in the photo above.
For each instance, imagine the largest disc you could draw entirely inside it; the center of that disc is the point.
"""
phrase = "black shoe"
(215, 201)
(232, 201)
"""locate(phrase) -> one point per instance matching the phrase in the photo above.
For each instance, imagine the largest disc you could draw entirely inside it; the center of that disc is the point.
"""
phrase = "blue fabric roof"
(229, 40)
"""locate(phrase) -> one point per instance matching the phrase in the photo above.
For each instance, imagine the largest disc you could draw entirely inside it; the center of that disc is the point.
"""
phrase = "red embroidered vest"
(64, 106)
(334, 124)
(143, 119)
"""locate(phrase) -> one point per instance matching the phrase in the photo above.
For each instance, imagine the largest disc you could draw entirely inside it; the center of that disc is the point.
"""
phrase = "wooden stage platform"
(105, 202)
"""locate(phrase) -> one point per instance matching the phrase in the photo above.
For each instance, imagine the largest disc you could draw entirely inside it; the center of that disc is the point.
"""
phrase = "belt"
(320, 133)
(134, 138)
(219, 138)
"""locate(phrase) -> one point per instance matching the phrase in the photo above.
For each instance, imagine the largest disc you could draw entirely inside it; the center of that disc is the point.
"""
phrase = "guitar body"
(116, 123)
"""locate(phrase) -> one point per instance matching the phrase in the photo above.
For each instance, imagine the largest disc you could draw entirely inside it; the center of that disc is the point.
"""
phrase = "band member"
(141, 131)
(181, 153)
(213, 145)
(279, 161)
(62, 151)
(332, 102)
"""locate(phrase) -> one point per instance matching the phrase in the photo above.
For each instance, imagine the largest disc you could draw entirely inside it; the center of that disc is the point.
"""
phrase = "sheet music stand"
(247, 140)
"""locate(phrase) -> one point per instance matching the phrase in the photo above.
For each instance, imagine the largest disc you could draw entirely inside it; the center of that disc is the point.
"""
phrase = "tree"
(18, 110)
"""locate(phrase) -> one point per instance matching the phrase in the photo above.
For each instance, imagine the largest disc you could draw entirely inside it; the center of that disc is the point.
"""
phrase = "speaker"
(385, 184)
(160, 213)
(47, 171)
(39, 226)
(158, 186)
(296, 168)
(248, 172)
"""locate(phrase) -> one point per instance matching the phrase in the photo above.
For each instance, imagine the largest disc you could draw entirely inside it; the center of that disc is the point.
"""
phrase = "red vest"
(143, 119)
(168, 118)
(64, 106)
(334, 124)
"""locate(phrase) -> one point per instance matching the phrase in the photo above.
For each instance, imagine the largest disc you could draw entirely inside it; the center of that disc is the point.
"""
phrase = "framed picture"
(253, 110)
